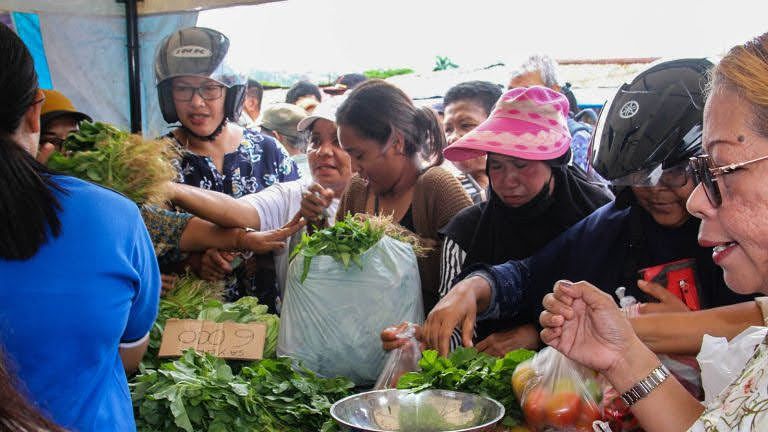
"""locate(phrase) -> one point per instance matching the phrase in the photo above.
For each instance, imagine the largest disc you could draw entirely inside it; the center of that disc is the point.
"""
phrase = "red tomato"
(563, 408)
(534, 402)
(589, 413)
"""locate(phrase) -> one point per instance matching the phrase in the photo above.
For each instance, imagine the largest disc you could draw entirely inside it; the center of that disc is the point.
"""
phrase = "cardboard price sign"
(227, 340)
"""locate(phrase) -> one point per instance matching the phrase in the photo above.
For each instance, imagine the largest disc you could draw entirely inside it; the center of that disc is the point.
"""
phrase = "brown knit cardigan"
(437, 197)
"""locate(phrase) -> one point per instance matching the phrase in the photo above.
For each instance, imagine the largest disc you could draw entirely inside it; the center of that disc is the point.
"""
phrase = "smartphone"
(679, 277)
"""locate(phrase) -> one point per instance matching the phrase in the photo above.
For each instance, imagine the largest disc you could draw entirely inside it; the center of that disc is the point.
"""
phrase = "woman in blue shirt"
(79, 276)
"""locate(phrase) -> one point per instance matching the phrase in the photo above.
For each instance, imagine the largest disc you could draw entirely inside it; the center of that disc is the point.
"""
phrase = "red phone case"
(679, 277)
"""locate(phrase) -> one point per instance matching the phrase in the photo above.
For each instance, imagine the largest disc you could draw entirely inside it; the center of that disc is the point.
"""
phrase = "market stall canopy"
(79, 47)
(117, 8)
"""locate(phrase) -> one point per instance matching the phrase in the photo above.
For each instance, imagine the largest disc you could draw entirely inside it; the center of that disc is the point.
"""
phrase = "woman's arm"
(585, 324)
(682, 332)
(216, 207)
(200, 234)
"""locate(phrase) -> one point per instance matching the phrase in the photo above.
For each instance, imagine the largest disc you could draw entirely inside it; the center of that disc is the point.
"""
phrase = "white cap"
(326, 110)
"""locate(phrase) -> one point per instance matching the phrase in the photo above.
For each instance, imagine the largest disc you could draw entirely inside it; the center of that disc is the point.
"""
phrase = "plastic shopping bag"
(332, 321)
(564, 396)
(722, 361)
(401, 360)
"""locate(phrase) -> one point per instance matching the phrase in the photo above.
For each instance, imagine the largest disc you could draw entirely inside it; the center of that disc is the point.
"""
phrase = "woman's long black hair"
(28, 206)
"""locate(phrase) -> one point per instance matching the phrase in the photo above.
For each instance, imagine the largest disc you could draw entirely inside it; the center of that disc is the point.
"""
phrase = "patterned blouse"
(165, 228)
(743, 405)
(258, 162)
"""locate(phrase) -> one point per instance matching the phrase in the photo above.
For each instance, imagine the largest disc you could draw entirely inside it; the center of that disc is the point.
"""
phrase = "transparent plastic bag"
(563, 396)
(331, 322)
(401, 360)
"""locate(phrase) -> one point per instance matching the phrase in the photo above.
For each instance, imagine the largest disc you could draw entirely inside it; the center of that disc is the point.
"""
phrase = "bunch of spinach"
(193, 298)
(345, 241)
(470, 371)
(186, 300)
(245, 310)
(199, 392)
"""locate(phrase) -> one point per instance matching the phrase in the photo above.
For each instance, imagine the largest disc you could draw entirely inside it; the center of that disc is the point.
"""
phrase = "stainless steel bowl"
(426, 411)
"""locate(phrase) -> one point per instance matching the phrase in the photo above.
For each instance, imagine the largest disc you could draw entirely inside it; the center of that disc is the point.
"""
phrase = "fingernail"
(565, 283)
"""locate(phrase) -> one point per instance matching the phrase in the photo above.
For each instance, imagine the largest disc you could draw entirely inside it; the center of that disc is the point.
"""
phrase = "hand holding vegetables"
(459, 307)
(585, 324)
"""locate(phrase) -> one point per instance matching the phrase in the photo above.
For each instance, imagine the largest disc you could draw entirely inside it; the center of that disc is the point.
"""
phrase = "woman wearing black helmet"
(643, 139)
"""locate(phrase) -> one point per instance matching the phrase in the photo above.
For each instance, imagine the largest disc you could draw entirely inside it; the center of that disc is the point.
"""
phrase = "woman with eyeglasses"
(199, 91)
(645, 241)
(731, 201)
(79, 283)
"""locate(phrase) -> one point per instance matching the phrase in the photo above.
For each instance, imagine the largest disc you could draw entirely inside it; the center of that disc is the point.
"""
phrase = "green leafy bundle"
(199, 392)
(346, 240)
(187, 299)
(245, 310)
(113, 158)
(470, 371)
(193, 298)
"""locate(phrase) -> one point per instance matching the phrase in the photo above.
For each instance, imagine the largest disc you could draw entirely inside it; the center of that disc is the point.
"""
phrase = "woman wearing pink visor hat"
(533, 196)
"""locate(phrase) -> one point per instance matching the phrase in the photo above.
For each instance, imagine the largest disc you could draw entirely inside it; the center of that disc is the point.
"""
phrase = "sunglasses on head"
(706, 173)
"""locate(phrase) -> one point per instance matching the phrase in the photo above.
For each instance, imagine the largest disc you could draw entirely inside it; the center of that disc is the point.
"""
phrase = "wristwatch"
(645, 386)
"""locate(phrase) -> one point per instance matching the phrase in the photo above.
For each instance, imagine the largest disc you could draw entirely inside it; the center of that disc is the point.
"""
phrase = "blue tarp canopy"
(79, 47)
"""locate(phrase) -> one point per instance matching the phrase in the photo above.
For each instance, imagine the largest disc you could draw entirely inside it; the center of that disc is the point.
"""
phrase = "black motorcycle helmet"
(197, 51)
(651, 124)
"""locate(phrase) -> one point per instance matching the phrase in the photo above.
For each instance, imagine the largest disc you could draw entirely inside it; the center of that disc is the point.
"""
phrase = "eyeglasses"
(705, 172)
(207, 92)
(56, 141)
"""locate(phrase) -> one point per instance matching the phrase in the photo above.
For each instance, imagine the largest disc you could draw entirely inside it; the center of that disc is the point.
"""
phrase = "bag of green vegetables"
(344, 284)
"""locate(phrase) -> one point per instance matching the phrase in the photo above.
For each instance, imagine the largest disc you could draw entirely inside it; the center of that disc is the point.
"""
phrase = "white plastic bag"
(721, 361)
(332, 321)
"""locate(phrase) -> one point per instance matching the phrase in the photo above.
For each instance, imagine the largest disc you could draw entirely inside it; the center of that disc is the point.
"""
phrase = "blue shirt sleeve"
(145, 303)
(520, 286)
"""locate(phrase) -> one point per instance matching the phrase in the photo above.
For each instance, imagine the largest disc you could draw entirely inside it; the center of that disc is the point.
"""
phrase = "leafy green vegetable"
(188, 297)
(245, 310)
(106, 155)
(473, 372)
(199, 392)
(193, 298)
(348, 239)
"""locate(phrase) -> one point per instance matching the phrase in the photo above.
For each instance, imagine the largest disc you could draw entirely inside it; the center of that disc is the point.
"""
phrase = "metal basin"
(426, 411)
